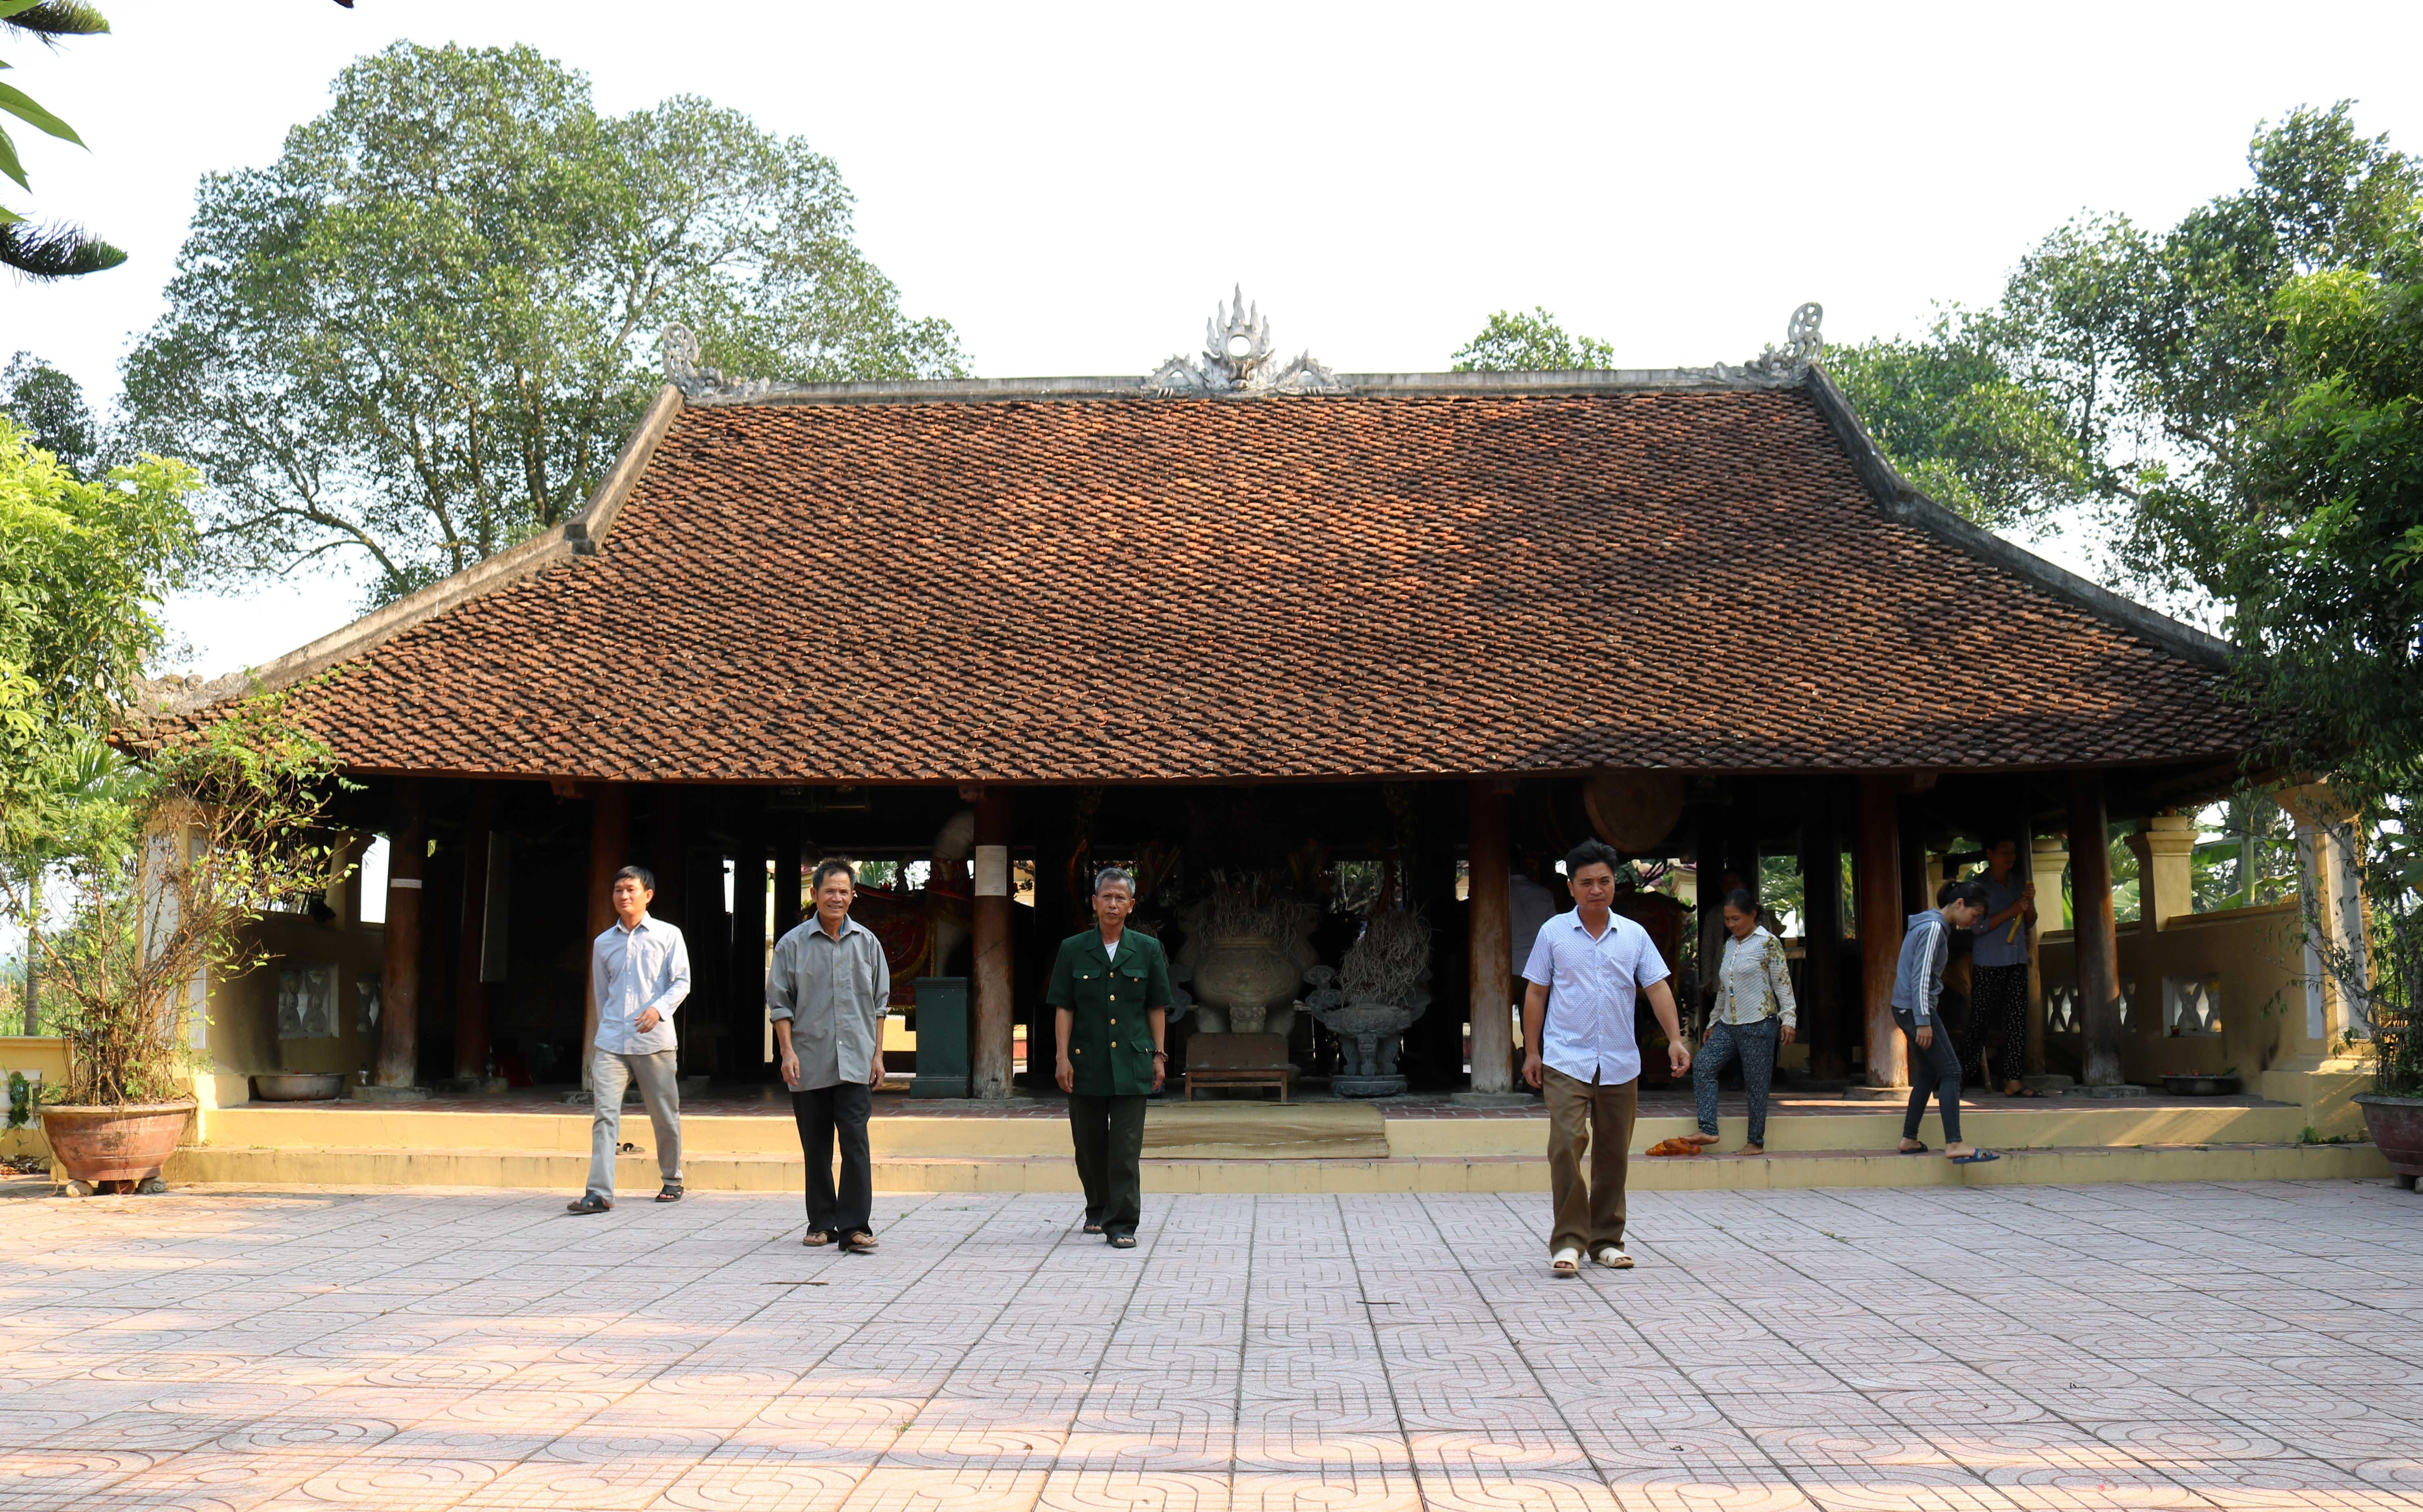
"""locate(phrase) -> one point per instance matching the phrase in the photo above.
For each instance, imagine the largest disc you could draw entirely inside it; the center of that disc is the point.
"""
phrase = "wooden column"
(609, 851)
(1821, 885)
(992, 1029)
(398, 1053)
(787, 848)
(1491, 936)
(1878, 881)
(470, 991)
(2098, 939)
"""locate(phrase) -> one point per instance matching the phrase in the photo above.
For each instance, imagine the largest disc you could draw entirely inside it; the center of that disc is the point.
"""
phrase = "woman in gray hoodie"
(1918, 987)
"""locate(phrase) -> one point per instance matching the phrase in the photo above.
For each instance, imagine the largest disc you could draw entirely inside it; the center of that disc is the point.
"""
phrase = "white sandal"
(1565, 1263)
(1613, 1257)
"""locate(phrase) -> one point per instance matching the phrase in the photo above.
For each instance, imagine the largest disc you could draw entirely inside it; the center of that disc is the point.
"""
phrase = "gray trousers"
(1755, 1043)
(609, 1074)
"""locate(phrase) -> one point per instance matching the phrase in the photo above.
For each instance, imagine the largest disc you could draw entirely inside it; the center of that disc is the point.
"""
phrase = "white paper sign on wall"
(993, 871)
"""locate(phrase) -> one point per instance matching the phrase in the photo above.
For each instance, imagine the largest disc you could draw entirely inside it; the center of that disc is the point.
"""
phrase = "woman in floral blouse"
(1753, 1018)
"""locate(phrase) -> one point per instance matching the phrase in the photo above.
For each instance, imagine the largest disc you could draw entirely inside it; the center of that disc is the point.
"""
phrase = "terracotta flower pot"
(129, 1143)
(2397, 1125)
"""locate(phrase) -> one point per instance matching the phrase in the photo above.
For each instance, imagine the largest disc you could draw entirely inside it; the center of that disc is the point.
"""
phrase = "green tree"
(50, 405)
(1960, 426)
(2162, 349)
(45, 252)
(2326, 570)
(1514, 342)
(419, 337)
(82, 563)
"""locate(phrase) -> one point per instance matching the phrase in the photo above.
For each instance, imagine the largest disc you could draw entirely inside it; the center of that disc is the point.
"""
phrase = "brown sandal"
(815, 1237)
(859, 1242)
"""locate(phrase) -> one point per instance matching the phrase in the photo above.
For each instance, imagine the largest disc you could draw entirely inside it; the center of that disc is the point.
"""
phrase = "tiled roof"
(1370, 584)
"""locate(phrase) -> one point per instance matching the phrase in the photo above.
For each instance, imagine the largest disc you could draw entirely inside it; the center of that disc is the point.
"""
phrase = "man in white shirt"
(639, 970)
(1585, 971)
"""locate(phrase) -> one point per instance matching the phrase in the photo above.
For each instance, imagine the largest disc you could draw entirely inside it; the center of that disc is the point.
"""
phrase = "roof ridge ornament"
(680, 346)
(1237, 361)
(1781, 367)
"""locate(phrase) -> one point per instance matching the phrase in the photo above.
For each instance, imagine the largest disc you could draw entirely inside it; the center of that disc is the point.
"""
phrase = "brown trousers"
(1588, 1217)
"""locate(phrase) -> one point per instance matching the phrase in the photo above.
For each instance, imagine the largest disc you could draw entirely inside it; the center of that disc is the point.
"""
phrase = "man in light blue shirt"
(1586, 971)
(639, 970)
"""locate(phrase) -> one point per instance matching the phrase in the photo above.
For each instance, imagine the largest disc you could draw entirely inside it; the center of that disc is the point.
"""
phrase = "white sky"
(1075, 187)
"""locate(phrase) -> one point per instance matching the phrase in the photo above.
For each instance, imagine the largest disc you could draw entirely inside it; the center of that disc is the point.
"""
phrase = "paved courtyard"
(2257, 1346)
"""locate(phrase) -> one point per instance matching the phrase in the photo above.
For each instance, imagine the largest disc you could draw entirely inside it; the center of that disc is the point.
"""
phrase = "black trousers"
(1933, 1069)
(1998, 1018)
(1108, 1133)
(824, 1112)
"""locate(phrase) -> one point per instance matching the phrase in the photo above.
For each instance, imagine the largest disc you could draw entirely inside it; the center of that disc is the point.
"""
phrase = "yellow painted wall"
(2259, 956)
(243, 1033)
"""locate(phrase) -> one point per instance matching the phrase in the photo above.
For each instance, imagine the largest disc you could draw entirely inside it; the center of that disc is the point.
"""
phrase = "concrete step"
(1266, 1130)
(636, 1175)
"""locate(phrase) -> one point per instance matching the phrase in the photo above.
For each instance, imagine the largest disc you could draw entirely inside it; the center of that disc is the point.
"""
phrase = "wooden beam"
(2096, 935)
(399, 1054)
(1878, 885)
(1490, 923)
(992, 1030)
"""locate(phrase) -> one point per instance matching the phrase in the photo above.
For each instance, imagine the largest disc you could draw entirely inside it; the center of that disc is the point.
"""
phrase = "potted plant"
(163, 864)
(1377, 992)
(2393, 1110)
(1248, 972)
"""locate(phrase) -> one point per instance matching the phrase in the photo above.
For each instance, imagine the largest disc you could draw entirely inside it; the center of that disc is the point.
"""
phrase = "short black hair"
(1956, 891)
(646, 879)
(827, 868)
(1593, 853)
(1744, 899)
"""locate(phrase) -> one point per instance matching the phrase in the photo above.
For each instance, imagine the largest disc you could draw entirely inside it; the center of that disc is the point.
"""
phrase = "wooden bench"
(1237, 1060)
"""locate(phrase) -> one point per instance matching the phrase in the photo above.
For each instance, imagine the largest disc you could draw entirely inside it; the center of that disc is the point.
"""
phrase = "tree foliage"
(2326, 568)
(50, 405)
(45, 252)
(1960, 426)
(420, 335)
(1517, 341)
(82, 565)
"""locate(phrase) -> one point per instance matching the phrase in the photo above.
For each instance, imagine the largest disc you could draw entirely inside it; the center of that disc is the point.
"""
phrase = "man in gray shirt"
(827, 992)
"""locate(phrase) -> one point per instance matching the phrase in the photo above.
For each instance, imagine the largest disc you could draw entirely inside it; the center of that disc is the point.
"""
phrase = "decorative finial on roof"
(1781, 366)
(1236, 361)
(682, 366)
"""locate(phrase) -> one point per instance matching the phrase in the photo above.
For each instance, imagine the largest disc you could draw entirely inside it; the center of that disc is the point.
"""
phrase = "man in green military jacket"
(1110, 987)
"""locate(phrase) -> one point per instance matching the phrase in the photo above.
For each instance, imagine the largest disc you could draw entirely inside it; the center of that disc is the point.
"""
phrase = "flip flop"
(1976, 1157)
(1920, 1151)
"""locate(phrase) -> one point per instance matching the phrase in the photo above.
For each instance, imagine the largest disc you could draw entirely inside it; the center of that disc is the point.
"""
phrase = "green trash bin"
(941, 1038)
